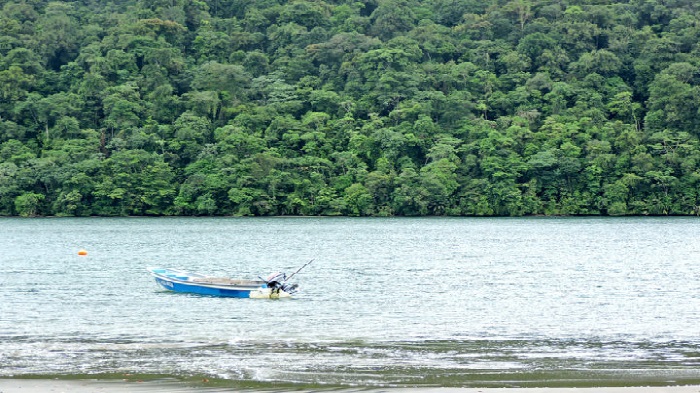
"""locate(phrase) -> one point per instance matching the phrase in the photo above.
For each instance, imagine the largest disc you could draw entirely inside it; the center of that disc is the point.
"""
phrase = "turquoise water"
(386, 302)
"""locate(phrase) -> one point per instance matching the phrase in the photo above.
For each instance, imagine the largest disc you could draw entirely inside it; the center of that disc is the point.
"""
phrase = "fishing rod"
(298, 270)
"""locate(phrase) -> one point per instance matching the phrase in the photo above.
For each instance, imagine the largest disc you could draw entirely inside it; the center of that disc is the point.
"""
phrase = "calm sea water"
(386, 302)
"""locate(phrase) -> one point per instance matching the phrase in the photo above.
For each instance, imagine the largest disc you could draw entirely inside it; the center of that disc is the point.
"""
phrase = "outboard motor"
(276, 281)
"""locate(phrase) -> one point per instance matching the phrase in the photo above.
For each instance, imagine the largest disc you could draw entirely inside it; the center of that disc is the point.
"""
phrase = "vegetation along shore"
(360, 108)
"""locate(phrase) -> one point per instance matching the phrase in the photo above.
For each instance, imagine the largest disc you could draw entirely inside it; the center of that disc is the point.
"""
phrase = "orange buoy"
(82, 253)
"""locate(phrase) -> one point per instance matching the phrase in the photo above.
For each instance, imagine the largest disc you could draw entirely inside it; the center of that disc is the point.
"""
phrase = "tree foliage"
(373, 108)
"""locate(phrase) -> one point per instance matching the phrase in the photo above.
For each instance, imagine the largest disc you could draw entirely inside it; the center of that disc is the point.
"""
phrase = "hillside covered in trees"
(370, 107)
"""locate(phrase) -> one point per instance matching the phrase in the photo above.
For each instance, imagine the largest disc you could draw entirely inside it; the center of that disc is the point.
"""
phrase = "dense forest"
(367, 107)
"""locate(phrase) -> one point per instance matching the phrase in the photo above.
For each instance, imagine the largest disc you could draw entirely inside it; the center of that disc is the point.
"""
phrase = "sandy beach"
(102, 386)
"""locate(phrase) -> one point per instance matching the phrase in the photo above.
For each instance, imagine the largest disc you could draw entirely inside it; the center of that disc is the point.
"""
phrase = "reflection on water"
(387, 302)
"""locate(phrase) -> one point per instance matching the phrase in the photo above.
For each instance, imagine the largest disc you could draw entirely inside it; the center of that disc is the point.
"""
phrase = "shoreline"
(30, 385)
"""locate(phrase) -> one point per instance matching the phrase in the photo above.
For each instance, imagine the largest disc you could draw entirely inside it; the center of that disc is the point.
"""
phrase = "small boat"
(273, 287)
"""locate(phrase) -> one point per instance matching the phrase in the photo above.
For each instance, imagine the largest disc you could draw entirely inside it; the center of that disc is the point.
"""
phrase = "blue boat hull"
(188, 282)
(202, 290)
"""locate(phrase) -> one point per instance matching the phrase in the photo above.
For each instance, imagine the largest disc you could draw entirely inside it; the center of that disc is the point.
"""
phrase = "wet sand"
(102, 386)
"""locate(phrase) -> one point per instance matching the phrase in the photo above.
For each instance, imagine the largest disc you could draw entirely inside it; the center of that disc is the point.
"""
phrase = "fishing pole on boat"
(298, 270)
